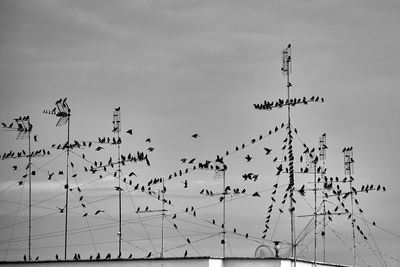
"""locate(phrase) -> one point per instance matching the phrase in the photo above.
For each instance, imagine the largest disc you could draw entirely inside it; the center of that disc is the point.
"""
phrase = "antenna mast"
(322, 157)
(117, 130)
(24, 129)
(286, 70)
(63, 111)
(349, 170)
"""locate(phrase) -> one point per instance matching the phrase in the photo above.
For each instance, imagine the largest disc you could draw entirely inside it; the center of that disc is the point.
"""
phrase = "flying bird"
(256, 194)
(248, 158)
(61, 210)
(148, 140)
(195, 135)
(130, 131)
(99, 148)
(267, 150)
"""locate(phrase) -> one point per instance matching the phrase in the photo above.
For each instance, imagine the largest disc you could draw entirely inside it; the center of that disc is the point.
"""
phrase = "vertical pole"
(66, 194)
(315, 213)
(323, 238)
(162, 219)
(352, 222)
(30, 190)
(119, 184)
(223, 215)
(292, 222)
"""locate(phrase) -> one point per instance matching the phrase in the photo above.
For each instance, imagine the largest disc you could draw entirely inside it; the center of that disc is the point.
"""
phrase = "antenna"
(220, 168)
(349, 170)
(266, 105)
(161, 193)
(322, 157)
(117, 130)
(24, 129)
(63, 111)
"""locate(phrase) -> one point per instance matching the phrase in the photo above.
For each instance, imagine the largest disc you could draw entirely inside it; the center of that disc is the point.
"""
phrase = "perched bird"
(149, 255)
(15, 167)
(35, 138)
(84, 215)
(185, 184)
(195, 135)
(148, 140)
(98, 211)
(184, 255)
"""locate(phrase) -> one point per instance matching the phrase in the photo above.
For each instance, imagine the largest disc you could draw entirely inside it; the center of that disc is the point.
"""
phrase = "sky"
(176, 68)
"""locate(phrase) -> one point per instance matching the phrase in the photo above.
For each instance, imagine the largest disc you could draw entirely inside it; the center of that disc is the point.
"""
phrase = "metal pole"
(119, 185)
(352, 222)
(315, 213)
(162, 220)
(223, 214)
(66, 194)
(30, 191)
(292, 222)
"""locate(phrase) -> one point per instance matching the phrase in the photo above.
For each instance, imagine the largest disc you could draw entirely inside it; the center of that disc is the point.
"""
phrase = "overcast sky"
(182, 67)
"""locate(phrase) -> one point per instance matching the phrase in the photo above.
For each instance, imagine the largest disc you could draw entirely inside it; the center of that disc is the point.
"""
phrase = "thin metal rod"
(66, 194)
(352, 222)
(223, 215)
(162, 219)
(30, 192)
(324, 218)
(119, 185)
(292, 215)
(315, 214)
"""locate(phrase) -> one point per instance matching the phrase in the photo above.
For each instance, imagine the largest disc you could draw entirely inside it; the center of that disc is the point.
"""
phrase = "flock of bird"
(218, 164)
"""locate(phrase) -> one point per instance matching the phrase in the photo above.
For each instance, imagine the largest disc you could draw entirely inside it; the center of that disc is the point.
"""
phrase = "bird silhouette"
(256, 194)
(248, 158)
(184, 255)
(98, 211)
(130, 131)
(61, 210)
(195, 135)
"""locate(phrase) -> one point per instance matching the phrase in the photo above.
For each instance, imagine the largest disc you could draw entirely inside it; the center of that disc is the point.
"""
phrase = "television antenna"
(24, 129)
(349, 170)
(117, 131)
(289, 102)
(63, 111)
(161, 194)
(322, 157)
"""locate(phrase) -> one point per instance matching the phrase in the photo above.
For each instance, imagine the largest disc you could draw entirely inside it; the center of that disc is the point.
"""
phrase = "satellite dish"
(263, 251)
